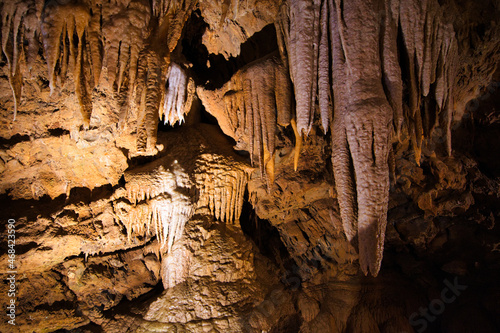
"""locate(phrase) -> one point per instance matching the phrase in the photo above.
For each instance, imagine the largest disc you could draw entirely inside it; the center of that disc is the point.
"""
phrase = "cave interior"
(250, 166)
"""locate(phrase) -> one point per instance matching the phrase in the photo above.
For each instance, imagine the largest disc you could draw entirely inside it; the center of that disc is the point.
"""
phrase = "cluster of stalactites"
(344, 57)
(256, 100)
(109, 40)
(221, 185)
(179, 95)
(161, 8)
(20, 22)
(159, 203)
(153, 71)
(432, 52)
(124, 31)
(60, 23)
(162, 216)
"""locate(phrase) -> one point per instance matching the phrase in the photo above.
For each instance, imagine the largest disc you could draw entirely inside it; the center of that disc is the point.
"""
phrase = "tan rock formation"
(242, 165)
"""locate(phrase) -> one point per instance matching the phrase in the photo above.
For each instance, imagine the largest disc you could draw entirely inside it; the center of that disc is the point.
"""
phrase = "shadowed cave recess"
(250, 166)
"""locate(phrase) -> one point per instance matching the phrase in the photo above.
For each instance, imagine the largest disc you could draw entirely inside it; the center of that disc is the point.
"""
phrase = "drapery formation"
(157, 203)
(179, 96)
(250, 106)
(221, 184)
(385, 66)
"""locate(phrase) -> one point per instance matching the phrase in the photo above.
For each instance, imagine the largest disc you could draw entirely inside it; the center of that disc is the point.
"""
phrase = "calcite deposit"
(250, 165)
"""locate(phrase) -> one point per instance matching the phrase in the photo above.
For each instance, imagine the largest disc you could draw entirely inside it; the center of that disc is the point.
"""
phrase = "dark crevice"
(207, 118)
(58, 132)
(13, 140)
(91, 327)
(46, 206)
(263, 234)
(126, 306)
(23, 248)
(267, 238)
(486, 146)
(213, 70)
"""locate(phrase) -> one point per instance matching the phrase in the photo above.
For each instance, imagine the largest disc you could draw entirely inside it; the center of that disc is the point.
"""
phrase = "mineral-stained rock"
(241, 165)
(33, 171)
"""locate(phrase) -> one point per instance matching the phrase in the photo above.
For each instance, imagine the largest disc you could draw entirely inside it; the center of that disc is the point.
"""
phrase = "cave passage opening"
(213, 70)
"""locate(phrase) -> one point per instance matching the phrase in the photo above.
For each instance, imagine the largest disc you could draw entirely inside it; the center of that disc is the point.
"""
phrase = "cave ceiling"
(250, 165)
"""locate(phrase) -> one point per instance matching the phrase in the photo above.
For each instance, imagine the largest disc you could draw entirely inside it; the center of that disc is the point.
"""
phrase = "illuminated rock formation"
(245, 165)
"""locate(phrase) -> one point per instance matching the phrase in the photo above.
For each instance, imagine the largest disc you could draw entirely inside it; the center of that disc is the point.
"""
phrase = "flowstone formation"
(251, 165)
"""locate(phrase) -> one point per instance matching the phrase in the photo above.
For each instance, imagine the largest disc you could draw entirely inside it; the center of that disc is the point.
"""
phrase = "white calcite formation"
(179, 96)
(158, 203)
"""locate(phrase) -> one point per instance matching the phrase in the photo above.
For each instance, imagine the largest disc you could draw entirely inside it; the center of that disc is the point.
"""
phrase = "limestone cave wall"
(250, 165)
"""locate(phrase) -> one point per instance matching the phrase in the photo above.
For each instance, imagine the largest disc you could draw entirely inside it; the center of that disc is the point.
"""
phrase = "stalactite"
(173, 22)
(341, 156)
(60, 22)
(179, 96)
(251, 105)
(283, 96)
(431, 47)
(153, 64)
(357, 42)
(221, 184)
(20, 22)
(390, 63)
(324, 90)
(163, 216)
(94, 49)
(259, 85)
(161, 8)
(158, 203)
(302, 48)
(124, 33)
(148, 94)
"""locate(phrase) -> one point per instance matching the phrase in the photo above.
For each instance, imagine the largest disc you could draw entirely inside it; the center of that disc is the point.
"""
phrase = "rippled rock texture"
(250, 165)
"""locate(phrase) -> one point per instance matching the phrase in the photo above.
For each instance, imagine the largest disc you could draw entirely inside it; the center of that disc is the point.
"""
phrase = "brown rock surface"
(241, 165)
